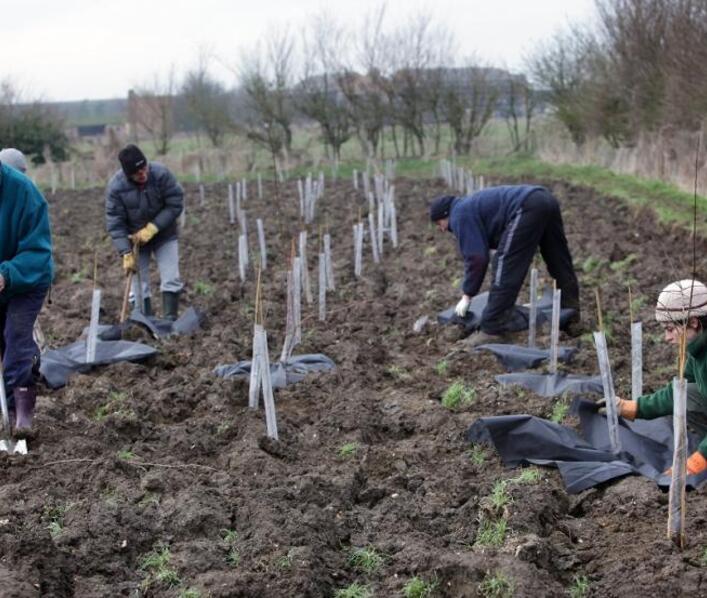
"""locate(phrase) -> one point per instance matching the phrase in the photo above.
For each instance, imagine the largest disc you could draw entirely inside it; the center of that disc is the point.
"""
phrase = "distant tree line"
(641, 67)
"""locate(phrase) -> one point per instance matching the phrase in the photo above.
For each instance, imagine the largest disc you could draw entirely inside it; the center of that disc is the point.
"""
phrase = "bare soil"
(163, 455)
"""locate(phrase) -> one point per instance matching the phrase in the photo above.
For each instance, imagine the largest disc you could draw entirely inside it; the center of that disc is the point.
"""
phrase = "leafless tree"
(470, 96)
(518, 102)
(208, 101)
(318, 95)
(266, 81)
(151, 107)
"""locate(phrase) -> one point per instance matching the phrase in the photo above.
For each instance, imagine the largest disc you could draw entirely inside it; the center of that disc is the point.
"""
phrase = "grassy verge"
(670, 203)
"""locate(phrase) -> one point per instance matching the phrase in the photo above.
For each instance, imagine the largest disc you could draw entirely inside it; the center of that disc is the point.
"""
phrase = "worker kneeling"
(681, 308)
(515, 220)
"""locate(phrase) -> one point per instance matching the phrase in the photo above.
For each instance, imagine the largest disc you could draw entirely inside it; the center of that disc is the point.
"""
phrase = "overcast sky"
(86, 49)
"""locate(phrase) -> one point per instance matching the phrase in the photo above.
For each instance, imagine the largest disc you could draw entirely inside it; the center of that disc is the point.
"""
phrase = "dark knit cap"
(131, 159)
(440, 207)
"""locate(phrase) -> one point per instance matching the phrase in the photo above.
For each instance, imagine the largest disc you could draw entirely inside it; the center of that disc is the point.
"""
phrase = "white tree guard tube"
(244, 187)
(355, 179)
(306, 282)
(231, 205)
(261, 244)
(612, 416)
(358, 252)
(393, 225)
(555, 330)
(373, 237)
(92, 338)
(290, 319)
(533, 317)
(297, 299)
(300, 192)
(381, 227)
(202, 198)
(260, 186)
(676, 503)
(255, 371)
(268, 399)
(322, 287)
(242, 257)
(636, 360)
(330, 283)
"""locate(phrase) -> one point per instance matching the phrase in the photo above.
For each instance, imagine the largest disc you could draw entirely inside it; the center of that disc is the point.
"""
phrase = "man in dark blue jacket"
(26, 271)
(143, 202)
(515, 220)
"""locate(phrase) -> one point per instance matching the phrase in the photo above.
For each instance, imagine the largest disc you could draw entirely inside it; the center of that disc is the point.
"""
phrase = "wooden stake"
(600, 319)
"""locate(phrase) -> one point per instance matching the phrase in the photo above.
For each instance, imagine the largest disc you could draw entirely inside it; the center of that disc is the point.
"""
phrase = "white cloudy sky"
(78, 49)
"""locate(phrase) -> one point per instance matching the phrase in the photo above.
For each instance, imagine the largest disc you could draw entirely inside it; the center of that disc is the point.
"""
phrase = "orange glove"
(129, 264)
(145, 234)
(626, 409)
(696, 463)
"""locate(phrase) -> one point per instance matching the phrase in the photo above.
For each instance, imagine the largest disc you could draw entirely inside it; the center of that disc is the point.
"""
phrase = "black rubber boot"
(170, 305)
(25, 400)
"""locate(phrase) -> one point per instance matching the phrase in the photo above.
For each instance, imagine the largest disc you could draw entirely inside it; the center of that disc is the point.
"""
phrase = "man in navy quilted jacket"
(515, 220)
(143, 202)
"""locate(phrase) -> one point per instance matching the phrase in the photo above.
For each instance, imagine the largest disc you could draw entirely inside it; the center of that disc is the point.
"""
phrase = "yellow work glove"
(129, 264)
(625, 408)
(145, 234)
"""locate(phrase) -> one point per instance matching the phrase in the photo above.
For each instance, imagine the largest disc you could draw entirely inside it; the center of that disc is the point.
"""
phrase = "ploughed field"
(155, 479)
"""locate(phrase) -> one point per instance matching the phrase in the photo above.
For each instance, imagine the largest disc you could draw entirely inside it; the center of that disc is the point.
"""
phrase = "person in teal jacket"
(682, 306)
(26, 272)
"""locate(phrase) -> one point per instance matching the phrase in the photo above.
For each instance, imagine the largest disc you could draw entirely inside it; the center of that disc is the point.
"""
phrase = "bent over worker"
(26, 271)
(515, 220)
(681, 309)
(143, 202)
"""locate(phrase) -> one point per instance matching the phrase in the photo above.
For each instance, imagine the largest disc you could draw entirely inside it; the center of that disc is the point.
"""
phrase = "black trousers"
(536, 224)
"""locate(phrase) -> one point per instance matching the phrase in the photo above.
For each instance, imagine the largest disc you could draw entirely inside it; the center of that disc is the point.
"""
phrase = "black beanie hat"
(440, 207)
(131, 159)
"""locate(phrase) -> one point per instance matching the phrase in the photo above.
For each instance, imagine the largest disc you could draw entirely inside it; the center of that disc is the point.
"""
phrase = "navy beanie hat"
(440, 207)
(131, 159)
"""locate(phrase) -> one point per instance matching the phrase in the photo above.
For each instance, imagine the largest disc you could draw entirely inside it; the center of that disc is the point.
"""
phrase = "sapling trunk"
(330, 283)
(676, 503)
(533, 317)
(261, 244)
(322, 287)
(636, 360)
(306, 282)
(260, 187)
(300, 191)
(92, 338)
(612, 416)
(555, 329)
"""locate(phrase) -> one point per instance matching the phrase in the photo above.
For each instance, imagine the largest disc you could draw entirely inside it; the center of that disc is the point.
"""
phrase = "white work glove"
(462, 307)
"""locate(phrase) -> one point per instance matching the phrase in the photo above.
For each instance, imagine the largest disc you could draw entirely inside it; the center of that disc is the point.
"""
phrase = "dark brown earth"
(166, 456)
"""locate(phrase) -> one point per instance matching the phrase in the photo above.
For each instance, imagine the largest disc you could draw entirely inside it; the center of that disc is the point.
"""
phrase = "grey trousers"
(167, 256)
(696, 410)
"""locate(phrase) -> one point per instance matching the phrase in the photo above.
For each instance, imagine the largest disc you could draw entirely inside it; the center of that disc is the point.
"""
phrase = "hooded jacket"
(478, 222)
(25, 238)
(130, 206)
(661, 402)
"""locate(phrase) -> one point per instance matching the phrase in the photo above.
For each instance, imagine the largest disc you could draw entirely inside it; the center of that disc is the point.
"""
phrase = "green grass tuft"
(491, 533)
(348, 450)
(496, 586)
(355, 590)
(419, 588)
(458, 395)
(579, 587)
(367, 560)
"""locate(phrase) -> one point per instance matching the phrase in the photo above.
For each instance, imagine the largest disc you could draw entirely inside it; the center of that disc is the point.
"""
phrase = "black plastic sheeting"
(553, 385)
(282, 374)
(516, 357)
(57, 365)
(189, 322)
(584, 461)
(519, 320)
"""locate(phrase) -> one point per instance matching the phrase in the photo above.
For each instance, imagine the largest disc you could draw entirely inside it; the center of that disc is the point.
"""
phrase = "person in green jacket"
(26, 271)
(682, 306)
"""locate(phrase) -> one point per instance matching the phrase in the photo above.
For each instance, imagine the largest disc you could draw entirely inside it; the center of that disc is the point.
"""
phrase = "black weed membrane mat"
(282, 374)
(553, 385)
(585, 459)
(189, 322)
(472, 320)
(517, 357)
(57, 365)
